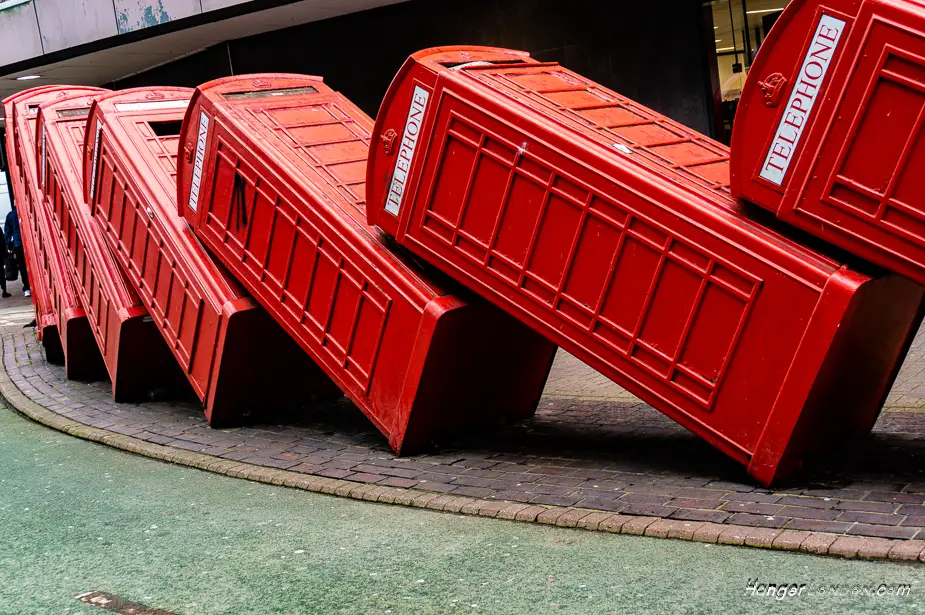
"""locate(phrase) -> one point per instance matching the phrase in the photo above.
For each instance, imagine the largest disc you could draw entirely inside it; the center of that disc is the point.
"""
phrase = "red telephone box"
(271, 177)
(234, 355)
(136, 358)
(67, 337)
(828, 132)
(609, 228)
(45, 324)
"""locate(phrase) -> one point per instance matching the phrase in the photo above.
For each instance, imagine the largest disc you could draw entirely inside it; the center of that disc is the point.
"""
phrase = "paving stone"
(555, 500)
(473, 481)
(615, 523)
(343, 489)
(847, 546)
(652, 510)
(529, 513)
(394, 481)
(732, 535)
(609, 504)
(789, 540)
(818, 543)
(884, 531)
(335, 473)
(456, 504)
(874, 518)
(761, 536)
(755, 508)
(696, 514)
(660, 528)
(693, 503)
(603, 485)
(571, 517)
(645, 498)
(373, 493)
(706, 494)
(512, 495)
(878, 507)
(652, 490)
(440, 501)
(636, 525)
(592, 520)
(420, 500)
(683, 481)
(447, 488)
(758, 520)
(812, 525)
(510, 511)
(915, 520)
(907, 551)
(364, 477)
(730, 486)
(903, 498)
(766, 498)
(545, 489)
(684, 530)
(472, 492)
(550, 515)
(875, 548)
(811, 502)
(805, 512)
(561, 481)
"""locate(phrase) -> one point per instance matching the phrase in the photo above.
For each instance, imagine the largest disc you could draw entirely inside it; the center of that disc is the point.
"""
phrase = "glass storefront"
(739, 28)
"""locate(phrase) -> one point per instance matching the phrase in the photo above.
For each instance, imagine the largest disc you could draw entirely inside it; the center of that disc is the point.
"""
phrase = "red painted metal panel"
(829, 130)
(67, 337)
(234, 355)
(271, 177)
(609, 228)
(22, 198)
(135, 356)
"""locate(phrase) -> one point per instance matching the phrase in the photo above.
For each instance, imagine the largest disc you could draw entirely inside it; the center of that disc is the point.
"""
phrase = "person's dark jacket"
(11, 231)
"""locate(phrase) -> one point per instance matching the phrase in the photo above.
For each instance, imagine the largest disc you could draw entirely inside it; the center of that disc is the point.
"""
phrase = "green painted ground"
(77, 517)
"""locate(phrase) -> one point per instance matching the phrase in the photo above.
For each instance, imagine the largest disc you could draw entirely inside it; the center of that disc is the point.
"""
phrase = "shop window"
(739, 28)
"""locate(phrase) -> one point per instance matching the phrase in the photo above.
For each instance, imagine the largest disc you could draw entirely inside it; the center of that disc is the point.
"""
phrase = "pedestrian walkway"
(80, 518)
(592, 450)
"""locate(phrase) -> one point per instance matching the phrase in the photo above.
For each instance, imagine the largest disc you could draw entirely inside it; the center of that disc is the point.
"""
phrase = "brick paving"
(591, 445)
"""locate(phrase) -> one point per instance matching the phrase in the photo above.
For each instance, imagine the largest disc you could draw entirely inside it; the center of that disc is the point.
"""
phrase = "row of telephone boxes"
(261, 239)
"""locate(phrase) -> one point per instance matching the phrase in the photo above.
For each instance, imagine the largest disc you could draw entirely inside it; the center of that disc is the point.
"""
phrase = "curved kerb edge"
(816, 543)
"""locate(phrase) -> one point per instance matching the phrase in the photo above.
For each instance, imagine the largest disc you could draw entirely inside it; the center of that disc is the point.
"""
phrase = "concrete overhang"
(121, 56)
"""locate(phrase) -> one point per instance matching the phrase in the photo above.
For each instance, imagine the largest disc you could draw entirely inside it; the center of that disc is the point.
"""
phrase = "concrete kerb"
(816, 543)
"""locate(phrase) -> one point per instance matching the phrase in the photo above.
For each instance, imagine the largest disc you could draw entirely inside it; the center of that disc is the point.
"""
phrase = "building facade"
(683, 58)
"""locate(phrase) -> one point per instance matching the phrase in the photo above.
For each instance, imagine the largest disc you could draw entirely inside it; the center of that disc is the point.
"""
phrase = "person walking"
(3, 257)
(14, 246)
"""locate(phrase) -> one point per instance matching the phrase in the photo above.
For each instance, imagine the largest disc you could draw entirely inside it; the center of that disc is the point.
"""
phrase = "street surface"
(77, 517)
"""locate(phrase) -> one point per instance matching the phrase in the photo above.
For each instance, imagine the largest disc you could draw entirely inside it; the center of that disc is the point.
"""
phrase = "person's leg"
(21, 263)
(5, 294)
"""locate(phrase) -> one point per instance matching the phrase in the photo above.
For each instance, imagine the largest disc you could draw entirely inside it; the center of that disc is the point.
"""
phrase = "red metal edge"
(391, 225)
(739, 177)
(185, 153)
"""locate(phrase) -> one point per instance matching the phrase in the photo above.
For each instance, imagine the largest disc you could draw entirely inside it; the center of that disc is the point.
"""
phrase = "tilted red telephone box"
(609, 228)
(46, 327)
(234, 355)
(828, 132)
(271, 177)
(136, 358)
(69, 338)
